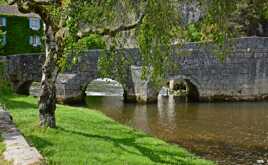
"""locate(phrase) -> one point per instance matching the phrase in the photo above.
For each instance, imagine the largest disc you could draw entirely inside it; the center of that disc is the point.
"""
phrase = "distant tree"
(157, 25)
(252, 16)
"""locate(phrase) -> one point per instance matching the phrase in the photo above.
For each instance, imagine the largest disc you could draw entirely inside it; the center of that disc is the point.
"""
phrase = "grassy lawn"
(2, 145)
(2, 149)
(88, 137)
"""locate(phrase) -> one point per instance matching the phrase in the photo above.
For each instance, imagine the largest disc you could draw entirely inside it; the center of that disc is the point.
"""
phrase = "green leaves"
(156, 35)
(193, 33)
(160, 28)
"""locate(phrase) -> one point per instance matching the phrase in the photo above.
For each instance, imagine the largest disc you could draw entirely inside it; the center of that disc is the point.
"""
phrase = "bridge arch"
(189, 86)
(104, 87)
(23, 87)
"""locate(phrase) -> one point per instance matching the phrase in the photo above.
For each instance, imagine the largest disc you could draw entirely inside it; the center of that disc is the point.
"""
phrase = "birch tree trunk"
(47, 100)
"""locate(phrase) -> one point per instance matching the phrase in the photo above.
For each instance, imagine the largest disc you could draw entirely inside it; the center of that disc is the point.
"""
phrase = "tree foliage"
(157, 24)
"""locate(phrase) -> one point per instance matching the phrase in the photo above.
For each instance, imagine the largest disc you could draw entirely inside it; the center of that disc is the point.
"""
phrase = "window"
(34, 23)
(35, 41)
(3, 21)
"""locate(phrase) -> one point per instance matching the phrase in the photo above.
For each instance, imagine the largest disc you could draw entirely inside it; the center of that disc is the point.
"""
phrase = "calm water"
(229, 133)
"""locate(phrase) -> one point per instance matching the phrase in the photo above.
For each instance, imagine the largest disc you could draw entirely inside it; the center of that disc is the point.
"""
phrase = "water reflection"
(217, 131)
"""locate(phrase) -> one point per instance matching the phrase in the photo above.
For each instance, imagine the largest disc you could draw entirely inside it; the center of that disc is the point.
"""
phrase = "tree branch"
(11, 2)
(39, 2)
(47, 2)
(35, 6)
(44, 2)
(108, 31)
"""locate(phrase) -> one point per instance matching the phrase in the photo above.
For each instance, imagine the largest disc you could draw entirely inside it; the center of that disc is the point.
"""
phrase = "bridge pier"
(140, 90)
(171, 84)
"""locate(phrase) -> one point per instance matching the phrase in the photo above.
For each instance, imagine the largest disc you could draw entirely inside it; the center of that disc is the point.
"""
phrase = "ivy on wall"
(4, 84)
(18, 35)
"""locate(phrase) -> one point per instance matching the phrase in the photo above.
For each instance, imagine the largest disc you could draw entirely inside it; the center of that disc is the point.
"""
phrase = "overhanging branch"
(39, 2)
(109, 31)
(11, 2)
(36, 6)
(47, 2)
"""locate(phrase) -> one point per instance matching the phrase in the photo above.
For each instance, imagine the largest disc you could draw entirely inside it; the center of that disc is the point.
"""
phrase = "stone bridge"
(241, 76)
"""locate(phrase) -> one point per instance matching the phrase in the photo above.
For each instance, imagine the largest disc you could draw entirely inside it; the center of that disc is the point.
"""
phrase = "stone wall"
(22, 69)
(243, 75)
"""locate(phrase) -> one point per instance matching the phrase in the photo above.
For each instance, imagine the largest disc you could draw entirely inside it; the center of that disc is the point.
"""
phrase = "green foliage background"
(18, 34)
(3, 2)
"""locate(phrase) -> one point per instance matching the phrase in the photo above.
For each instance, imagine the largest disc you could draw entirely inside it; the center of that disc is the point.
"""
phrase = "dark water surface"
(229, 133)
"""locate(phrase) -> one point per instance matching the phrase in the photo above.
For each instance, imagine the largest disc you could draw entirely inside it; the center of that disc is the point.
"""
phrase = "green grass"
(88, 137)
(3, 2)
(2, 145)
(2, 149)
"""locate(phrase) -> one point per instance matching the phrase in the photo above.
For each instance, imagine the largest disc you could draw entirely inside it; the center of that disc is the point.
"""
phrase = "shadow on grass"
(11, 103)
(147, 150)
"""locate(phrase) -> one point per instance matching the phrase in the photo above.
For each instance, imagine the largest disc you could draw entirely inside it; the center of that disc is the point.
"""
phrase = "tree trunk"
(47, 100)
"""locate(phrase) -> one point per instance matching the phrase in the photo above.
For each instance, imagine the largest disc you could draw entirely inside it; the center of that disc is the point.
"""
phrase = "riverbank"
(84, 136)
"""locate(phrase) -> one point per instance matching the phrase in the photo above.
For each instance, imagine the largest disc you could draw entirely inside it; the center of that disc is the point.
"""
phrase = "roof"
(13, 10)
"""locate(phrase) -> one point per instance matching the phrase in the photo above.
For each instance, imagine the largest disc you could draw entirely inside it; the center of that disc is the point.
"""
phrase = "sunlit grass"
(88, 137)
(2, 149)
(2, 146)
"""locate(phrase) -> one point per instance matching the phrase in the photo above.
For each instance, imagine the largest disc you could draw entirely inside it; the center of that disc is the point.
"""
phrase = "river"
(228, 133)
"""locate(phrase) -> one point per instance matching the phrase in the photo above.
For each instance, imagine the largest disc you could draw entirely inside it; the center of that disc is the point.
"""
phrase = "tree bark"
(47, 100)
